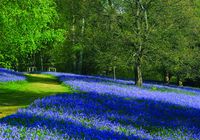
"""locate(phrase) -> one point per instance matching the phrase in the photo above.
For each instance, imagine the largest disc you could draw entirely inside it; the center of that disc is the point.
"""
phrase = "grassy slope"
(14, 95)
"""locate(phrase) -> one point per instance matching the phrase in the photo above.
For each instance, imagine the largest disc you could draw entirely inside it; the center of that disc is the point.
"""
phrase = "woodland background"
(142, 39)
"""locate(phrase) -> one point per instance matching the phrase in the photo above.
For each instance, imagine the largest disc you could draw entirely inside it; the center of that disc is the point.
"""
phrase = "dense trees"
(26, 27)
(150, 39)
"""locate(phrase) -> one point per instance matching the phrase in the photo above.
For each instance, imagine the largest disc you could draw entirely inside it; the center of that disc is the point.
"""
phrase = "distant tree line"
(141, 39)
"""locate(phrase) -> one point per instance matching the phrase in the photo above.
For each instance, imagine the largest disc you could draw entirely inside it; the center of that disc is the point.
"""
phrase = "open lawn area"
(15, 95)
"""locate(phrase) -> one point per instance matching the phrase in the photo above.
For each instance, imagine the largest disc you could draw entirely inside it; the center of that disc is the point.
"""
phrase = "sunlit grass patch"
(14, 95)
(103, 111)
(8, 110)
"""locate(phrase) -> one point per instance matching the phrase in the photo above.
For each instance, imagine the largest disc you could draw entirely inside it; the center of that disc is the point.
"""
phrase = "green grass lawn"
(15, 95)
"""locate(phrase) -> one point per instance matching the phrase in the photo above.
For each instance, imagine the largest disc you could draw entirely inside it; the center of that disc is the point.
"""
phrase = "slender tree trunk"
(80, 63)
(42, 64)
(114, 72)
(73, 45)
(138, 63)
(166, 78)
(142, 28)
(74, 59)
(179, 81)
(73, 29)
(34, 60)
(138, 74)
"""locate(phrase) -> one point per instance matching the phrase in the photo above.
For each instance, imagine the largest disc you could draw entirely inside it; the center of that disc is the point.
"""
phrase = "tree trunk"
(166, 78)
(138, 63)
(80, 63)
(114, 72)
(138, 73)
(42, 64)
(74, 63)
(73, 29)
(34, 60)
(179, 81)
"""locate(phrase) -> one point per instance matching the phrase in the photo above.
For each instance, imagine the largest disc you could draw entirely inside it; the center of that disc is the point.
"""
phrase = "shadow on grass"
(66, 127)
(161, 87)
(149, 115)
(93, 79)
(23, 93)
(41, 78)
(19, 98)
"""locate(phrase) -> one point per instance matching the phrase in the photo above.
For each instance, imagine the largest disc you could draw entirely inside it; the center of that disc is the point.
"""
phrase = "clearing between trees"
(15, 95)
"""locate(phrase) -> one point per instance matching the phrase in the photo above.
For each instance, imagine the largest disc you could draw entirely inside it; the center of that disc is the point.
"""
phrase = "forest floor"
(15, 95)
(99, 108)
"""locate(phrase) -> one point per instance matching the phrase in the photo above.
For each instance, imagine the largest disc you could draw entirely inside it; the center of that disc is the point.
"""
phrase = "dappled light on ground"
(92, 115)
(106, 110)
(14, 95)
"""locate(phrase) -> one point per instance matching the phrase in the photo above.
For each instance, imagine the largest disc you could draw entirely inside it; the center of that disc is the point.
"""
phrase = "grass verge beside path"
(15, 95)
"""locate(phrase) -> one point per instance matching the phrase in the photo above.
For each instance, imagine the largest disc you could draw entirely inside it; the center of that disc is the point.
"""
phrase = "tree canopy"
(141, 39)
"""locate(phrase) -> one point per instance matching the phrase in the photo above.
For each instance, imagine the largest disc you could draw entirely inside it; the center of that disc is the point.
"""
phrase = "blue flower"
(104, 108)
(8, 75)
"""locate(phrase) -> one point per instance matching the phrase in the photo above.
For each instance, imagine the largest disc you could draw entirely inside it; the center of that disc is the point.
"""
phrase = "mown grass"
(15, 95)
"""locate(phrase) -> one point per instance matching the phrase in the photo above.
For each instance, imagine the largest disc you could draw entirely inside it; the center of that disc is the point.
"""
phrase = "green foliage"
(27, 25)
(94, 37)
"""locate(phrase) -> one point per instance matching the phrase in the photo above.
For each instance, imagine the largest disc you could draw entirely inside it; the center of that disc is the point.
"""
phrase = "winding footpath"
(15, 95)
